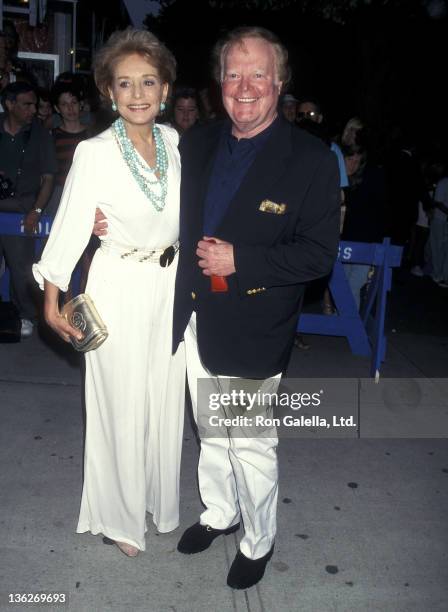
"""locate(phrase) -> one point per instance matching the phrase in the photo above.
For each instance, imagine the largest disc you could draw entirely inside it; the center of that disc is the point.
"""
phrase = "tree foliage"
(335, 10)
(376, 58)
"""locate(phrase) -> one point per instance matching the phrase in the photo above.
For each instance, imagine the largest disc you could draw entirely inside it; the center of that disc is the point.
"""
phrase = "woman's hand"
(61, 326)
(54, 319)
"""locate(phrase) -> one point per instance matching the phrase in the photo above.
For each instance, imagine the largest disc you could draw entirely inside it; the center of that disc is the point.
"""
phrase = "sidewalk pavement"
(361, 522)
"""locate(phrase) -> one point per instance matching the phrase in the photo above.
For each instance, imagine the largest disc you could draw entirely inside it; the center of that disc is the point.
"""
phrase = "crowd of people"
(399, 194)
(209, 231)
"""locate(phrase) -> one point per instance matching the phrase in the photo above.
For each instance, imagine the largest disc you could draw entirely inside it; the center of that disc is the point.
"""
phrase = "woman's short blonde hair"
(236, 36)
(127, 42)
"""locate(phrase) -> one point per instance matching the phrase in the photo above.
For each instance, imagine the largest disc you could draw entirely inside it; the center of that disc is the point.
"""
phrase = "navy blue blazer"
(284, 225)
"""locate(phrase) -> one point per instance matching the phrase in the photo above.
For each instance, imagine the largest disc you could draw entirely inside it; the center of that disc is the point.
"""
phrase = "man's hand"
(100, 225)
(215, 257)
(31, 222)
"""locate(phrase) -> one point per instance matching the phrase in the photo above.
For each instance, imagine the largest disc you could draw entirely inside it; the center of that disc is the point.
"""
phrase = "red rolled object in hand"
(218, 284)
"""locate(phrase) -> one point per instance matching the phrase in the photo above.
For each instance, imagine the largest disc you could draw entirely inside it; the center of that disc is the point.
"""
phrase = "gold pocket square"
(272, 207)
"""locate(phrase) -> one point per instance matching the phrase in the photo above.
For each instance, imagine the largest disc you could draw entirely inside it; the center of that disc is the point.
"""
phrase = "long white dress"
(134, 385)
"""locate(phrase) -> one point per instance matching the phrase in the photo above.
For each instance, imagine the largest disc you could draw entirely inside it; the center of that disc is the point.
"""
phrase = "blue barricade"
(365, 330)
(12, 224)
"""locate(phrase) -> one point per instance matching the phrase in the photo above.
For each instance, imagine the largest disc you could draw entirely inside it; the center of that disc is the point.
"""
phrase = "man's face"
(308, 110)
(250, 88)
(23, 109)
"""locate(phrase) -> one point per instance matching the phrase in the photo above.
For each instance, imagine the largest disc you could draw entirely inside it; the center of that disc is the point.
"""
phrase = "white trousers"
(238, 476)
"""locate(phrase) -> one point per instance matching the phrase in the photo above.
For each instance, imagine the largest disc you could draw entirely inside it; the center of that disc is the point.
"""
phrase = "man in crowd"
(259, 219)
(27, 166)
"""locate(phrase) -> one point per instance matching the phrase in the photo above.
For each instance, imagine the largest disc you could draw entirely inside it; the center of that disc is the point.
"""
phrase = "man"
(309, 108)
(27, 165)
(267, 194)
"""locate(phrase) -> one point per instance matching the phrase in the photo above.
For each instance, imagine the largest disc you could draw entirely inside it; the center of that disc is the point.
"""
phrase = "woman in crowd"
(66, 99)
(365, 210)
(351, 131)
(44, 108)
(438, 235)
(67, 103)
(134, 385)
(419, 246)
(186, 107)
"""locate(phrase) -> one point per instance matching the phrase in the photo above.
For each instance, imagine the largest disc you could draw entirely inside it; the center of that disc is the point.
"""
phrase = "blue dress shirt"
(233, 160)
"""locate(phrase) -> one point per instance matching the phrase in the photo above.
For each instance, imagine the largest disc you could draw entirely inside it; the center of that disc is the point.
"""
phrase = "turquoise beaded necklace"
(145, 176)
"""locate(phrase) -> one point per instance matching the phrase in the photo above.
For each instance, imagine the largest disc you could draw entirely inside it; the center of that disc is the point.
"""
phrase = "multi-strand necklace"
(152, 181)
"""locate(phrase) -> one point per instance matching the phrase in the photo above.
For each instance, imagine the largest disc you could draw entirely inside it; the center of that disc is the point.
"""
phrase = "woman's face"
(44, 109)
(352, 163)
(185, 113)
(68, 107)
(137, 90)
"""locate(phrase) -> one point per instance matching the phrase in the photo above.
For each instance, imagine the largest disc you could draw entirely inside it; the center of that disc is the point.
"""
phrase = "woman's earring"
(162, 107)
(114, 106)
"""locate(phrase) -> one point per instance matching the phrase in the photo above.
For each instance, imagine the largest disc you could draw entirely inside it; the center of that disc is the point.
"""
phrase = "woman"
(350, 134)
(67, 103)
(438, 233)
(66, 99)
(365, 214)
(134, 386)
(185, 109)
(44, 108)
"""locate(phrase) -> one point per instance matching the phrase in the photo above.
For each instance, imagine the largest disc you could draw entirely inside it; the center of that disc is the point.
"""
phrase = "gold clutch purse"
(82, 314)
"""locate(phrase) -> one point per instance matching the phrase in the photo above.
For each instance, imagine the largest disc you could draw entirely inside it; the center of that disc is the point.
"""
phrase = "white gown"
(134, 386)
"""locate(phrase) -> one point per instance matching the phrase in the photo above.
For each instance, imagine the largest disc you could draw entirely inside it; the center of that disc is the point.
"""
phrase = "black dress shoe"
(199, 537)
(245, 572)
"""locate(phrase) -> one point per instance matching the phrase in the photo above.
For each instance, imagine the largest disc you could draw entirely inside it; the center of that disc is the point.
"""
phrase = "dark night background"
(382, 60)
